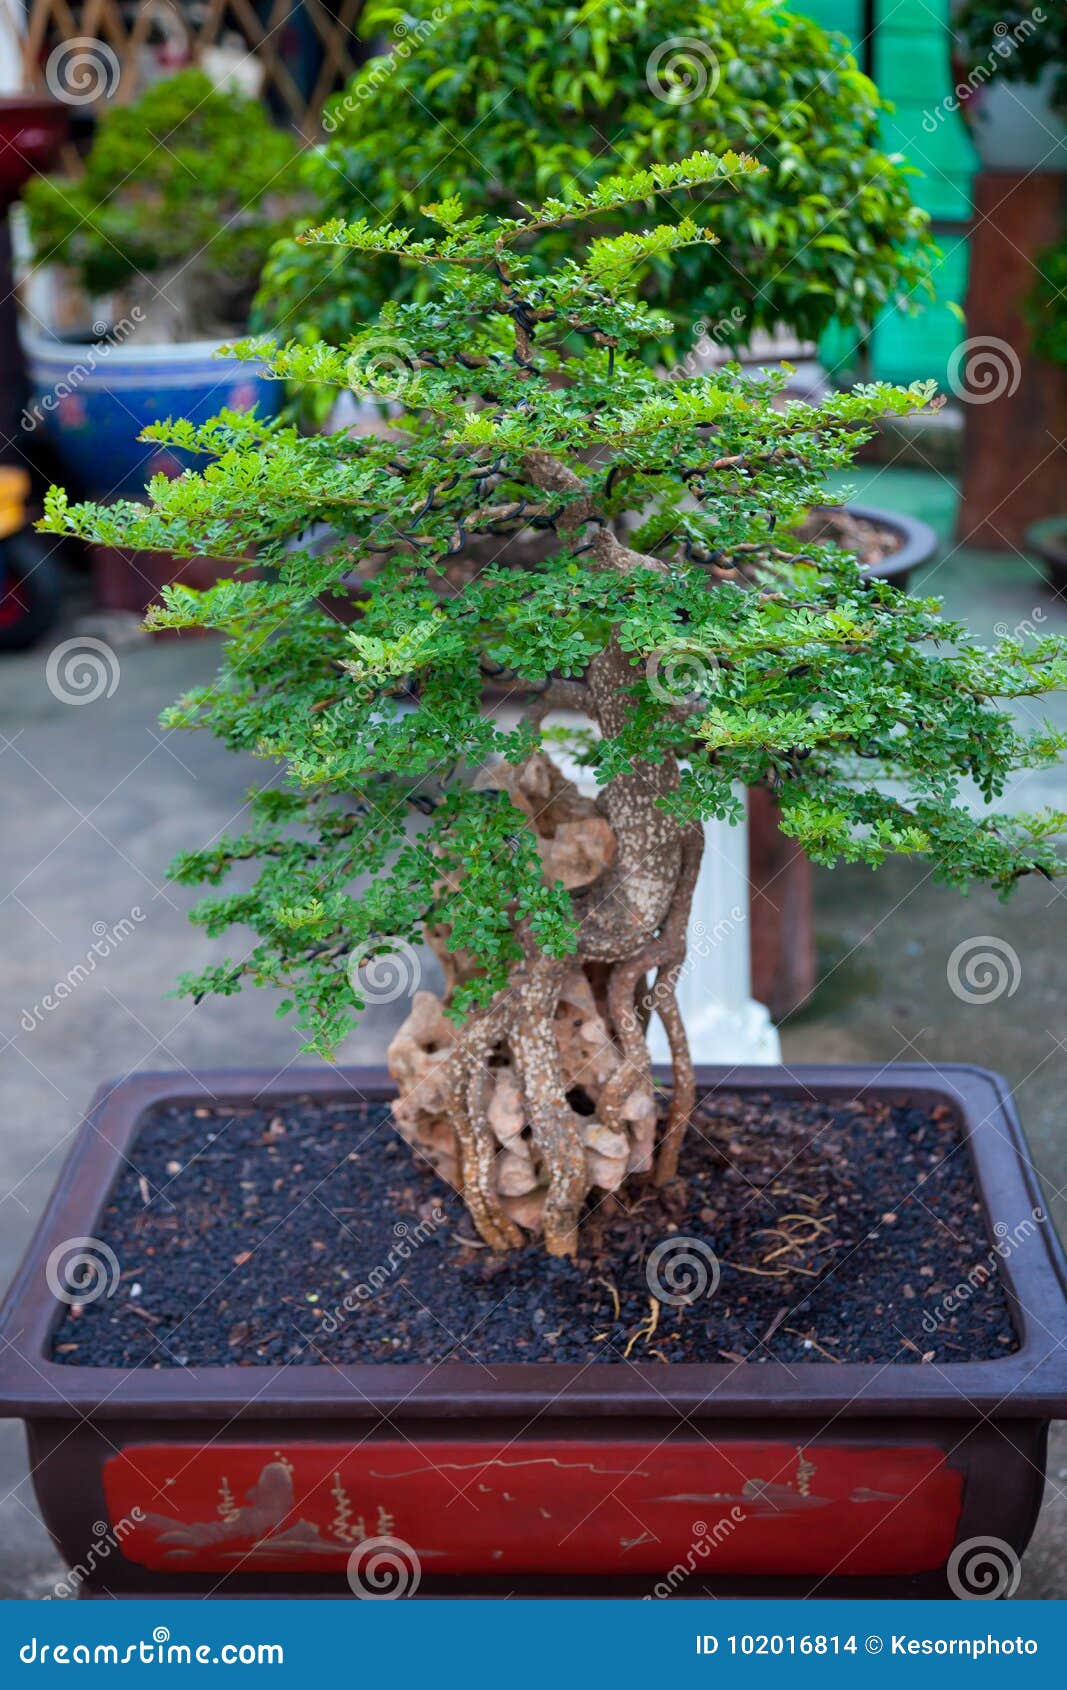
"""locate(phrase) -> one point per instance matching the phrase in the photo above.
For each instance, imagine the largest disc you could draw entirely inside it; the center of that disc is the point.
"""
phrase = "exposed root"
(683, 1094)
(811, 1343)
(470, 1092)
(614, 1295)
(546, 1095)
(555, 1127)
(647, 1330)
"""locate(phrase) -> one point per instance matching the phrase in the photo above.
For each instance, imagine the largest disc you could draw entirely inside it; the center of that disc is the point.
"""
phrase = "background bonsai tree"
(696, 642)
(179, 202)
(1016, 42)
(505, 105)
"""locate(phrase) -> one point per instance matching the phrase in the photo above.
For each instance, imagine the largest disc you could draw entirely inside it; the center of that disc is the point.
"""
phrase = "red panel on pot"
(537, 1506)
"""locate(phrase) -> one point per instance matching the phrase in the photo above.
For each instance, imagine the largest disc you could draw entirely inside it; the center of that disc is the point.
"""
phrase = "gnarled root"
(471, 1092)
(511, 1119)
(546, 1096)
(555, 1127)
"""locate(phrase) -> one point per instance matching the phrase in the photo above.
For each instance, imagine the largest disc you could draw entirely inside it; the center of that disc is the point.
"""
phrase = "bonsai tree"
(179, 202)
(504, 105)
(694, 641)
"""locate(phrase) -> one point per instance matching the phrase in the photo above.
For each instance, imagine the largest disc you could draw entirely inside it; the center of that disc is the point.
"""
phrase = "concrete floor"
(96, 800)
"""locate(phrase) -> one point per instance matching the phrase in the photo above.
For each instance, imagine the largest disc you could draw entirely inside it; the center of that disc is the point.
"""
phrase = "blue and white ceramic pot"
(92, 400)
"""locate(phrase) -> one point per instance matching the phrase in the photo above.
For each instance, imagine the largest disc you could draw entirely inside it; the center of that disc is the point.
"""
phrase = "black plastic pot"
(813, 1478)
(918, 543)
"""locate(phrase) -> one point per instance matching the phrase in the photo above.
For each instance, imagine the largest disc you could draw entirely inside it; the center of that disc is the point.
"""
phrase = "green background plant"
(507, 101)
(180, 178)
(1048, 304)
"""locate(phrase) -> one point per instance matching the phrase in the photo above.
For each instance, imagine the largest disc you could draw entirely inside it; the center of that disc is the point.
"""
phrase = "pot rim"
(1048, 537)
(47, 347)
(1030, 1383)
(919, 542)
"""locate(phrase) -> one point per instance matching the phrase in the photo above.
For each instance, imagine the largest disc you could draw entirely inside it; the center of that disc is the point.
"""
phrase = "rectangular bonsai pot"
(607, 1478)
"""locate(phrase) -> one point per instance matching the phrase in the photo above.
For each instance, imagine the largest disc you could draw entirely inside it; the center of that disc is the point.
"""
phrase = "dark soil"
(306, 1234)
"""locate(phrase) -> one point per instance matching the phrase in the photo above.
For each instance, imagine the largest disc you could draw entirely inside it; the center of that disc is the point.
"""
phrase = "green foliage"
(1047, 306)
(181, 177)
(503, 103)
(525, 405)
(1015, 41)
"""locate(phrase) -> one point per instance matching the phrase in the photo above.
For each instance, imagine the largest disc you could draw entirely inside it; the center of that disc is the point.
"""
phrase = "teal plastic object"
(845, 15)
(916, 348)
(909, 54)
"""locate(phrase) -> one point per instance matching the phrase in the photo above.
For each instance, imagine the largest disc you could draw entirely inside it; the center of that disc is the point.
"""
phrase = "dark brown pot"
(133, 580)
(857, 1478)
(32, 131)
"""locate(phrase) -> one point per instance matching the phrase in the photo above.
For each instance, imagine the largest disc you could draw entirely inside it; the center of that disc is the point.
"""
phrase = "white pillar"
(11, 30)
(724, 1022)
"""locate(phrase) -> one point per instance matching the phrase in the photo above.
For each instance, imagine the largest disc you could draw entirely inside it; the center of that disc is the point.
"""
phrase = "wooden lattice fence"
(292, 52)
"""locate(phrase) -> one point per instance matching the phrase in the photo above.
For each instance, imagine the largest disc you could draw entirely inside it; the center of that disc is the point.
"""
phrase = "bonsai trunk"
(546, 1094)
